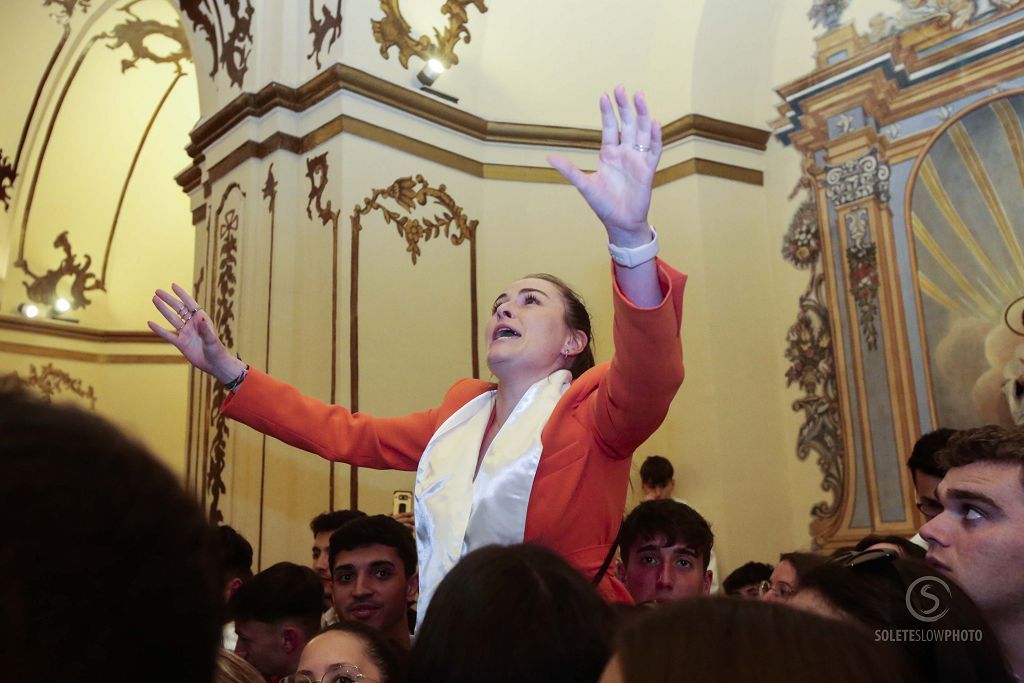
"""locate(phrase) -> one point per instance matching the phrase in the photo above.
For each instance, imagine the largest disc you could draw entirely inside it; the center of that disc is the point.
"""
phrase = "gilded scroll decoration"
(394, 31)
(43, 288)
(134, 32)
(231, 48)
(50, 382)
(858, 179)
(408, 193)
(223, 314)
(862, 262)
(812, 364)
(328, 25)
(317, 170)
(66, 8)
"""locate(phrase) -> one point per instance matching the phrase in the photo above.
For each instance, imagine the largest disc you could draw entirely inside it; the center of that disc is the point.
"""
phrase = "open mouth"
(505, 332)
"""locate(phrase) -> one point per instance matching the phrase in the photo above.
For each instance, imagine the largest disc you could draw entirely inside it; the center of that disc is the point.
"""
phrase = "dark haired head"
(391, 659)
(376, 530)
(990, 443)
(656, 472)
(134, 544)
(676, 522)
(512, 613)
(282, 592)
(907, 549)
(876, 592)
(236, 553)
(803, 563)
(924, 457)
(576, 318)
(685, 641)
(750, 574)
(331, 521)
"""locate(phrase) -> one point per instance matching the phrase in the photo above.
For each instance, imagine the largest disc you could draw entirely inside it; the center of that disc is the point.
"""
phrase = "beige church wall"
(137, 386)
(93, 127)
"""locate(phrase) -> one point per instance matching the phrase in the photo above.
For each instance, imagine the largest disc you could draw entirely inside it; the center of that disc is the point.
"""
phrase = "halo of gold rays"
(966, 280)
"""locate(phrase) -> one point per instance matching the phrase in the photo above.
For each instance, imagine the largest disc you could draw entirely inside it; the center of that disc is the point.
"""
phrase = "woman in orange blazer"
(544, 454)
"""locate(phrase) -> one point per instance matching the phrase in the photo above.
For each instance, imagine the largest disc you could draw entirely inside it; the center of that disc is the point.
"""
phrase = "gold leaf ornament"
(394, 31)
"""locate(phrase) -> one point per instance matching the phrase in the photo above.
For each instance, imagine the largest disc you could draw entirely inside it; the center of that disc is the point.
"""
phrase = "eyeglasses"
(783, 591)
(929, 508)
(336, 673)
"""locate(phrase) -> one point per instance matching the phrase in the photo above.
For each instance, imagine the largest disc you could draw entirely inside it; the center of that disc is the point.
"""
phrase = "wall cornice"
(341, 77)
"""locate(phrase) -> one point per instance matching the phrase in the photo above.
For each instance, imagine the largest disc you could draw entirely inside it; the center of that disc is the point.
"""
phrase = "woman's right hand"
(193, 334)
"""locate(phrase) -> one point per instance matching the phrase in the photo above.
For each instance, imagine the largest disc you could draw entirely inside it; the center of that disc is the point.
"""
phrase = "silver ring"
(188, 315)
(641, 148)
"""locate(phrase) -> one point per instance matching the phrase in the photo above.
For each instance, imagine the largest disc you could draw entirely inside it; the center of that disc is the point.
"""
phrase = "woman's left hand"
(619, 191)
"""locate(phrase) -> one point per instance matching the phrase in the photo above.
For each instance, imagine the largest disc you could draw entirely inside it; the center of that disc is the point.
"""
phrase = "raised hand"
(619, 191)
(193, 334)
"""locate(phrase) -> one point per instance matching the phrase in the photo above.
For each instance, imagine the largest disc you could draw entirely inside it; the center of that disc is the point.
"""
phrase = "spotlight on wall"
(62, 305)
(28, 310)
(429, 73)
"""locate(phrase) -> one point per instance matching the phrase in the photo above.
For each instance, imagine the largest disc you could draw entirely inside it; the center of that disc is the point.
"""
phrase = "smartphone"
(401, 502)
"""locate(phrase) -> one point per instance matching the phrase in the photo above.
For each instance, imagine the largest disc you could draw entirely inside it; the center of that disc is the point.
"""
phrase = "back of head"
(752, 573)
(907, 549)
(282, 592)
(390, 659)
(803, 562)
(656, 472)
(674, 521)
(892, 596)
(376, 530)
(725, 640)
(105, 560)
(330, 521)
(236, 553)
(512, 613)
(924, 456)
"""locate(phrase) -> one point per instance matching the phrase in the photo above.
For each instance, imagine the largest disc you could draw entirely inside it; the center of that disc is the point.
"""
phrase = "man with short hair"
(373, 561)
(926, 471)
(745, 582)
(276, 613)
(322, 526)
(657, 480)
(978, 537)
(666, 546)
(236, 554)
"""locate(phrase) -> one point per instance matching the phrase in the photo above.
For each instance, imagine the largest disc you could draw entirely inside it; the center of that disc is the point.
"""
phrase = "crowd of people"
(110, 572)
(521, 565)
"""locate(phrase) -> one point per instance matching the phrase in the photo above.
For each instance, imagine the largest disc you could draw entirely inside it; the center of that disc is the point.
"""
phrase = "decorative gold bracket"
(394, 31)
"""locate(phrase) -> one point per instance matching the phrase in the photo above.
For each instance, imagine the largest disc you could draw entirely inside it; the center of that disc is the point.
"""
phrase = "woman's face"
(527, 333)
(784, 583)
(328, 652)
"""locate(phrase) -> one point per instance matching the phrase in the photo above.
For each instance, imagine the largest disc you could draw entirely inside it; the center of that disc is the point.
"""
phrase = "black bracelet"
(233, 384)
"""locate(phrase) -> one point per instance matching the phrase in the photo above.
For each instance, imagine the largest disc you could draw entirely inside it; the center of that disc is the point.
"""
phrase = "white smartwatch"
(631, 258)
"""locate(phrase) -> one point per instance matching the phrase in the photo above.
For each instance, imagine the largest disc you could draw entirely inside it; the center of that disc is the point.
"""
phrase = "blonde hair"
(233, 669)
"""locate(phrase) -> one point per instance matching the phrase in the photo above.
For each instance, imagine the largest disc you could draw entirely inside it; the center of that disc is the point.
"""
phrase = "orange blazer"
(579, 492)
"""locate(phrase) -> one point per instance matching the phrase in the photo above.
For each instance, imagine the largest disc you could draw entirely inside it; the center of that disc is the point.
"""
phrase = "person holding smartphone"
(543, 455)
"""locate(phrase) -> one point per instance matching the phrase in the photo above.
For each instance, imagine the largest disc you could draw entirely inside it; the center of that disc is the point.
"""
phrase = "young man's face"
(369, 585)
(924, 489)
(655, 572)
(321, 551)
(978, 538)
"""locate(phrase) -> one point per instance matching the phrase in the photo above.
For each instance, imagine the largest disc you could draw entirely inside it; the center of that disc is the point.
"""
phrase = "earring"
(565, 354)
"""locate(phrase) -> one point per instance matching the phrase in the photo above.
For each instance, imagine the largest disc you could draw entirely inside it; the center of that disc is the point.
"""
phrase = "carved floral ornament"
(394, 31)
(408, 193)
